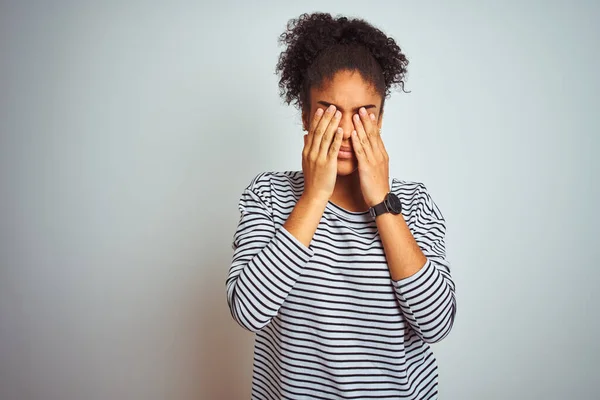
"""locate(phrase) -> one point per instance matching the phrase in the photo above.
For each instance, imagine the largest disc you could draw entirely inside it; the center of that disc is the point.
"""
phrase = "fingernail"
(354, 133)
(362, 111)
(340, 130)
(356, 117)
(331, 108)
(319, 111)
(372, 117)
(338, 114)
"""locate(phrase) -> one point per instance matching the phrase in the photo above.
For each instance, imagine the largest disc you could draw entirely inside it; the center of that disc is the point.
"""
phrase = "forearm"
(403, 254)
(266, 263)
(304, 219)
(422, 284)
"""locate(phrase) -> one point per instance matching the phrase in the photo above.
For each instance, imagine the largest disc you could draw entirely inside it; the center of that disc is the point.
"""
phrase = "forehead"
(346, 88)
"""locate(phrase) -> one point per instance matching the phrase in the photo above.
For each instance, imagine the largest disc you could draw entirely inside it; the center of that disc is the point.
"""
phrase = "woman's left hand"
(373, 160)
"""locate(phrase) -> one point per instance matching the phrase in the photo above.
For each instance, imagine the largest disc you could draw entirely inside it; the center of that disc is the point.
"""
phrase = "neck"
(348, 194)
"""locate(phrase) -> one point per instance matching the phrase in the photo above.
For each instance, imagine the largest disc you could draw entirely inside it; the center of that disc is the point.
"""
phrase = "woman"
(340, 271)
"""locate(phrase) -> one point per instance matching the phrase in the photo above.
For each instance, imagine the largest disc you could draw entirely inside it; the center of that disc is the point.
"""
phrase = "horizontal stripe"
(330, 322)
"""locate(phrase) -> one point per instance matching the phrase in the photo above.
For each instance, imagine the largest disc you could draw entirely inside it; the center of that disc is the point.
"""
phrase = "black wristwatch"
(391, 203)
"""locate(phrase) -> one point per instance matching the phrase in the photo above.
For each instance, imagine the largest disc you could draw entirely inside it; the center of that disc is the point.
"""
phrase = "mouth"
(345, 152)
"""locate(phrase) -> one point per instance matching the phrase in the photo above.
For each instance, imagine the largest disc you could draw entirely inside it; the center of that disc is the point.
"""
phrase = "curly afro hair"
(319, 45)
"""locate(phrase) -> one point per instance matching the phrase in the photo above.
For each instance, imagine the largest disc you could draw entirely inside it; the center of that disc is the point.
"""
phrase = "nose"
(347, 125)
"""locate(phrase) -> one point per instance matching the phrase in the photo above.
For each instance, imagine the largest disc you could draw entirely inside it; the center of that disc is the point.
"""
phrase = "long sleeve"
(427, 299)
(266, 261)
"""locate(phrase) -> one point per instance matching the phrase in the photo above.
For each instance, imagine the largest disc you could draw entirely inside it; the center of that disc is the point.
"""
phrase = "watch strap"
(378, 209)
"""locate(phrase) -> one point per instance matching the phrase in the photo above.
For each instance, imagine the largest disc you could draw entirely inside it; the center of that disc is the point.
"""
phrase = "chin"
(346, 167)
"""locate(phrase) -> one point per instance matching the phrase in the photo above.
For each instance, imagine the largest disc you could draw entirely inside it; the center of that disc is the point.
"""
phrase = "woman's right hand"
(319, 156)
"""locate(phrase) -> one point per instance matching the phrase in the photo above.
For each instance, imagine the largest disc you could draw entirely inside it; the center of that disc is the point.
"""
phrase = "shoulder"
(415, 196)
(409, 191)
(276, 183)
(265, 180)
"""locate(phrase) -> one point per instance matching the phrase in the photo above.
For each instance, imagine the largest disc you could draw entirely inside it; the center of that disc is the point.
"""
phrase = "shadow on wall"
(226, 348)
(217, 352)
(223, 350)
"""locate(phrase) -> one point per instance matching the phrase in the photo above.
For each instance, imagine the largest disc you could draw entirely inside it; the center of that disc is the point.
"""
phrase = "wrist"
(311, 200)
(372, 202)
(390, 204)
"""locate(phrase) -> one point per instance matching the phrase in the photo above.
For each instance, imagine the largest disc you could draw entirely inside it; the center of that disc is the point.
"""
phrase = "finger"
(376, 129)
(362, 136)
(320, 130)
(375, 126)
(306, 148)
(330, 134)
(336, 144)
(377, 135)
(358, 148)
(365, 119)
(370, 128)
(313, 124)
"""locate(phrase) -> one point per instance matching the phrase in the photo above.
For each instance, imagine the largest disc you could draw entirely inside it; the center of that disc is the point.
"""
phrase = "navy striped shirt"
(330, 322)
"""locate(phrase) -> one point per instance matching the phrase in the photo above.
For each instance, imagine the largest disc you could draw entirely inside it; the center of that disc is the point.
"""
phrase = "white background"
(129, 130)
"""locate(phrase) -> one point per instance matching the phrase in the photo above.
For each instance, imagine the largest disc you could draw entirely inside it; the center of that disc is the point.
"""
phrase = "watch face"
(394, 203)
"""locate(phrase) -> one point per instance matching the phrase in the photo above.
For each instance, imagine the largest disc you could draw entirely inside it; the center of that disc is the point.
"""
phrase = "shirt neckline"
(359, 216)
